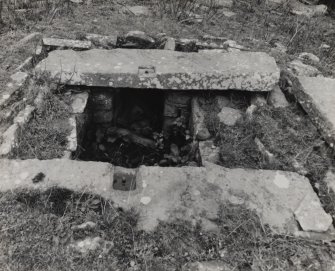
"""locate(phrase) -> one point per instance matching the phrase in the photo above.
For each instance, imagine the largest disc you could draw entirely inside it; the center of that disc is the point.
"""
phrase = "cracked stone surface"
(191, 193)
(161, 69)
(317, 96)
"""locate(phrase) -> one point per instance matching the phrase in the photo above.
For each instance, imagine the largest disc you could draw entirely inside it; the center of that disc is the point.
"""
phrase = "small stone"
(8, 139)
(212, 51)
(102, 148)
(85, 226)
(87, 245)
(174, 150)
(258, 100)
(227, 13)
(298, 8)
(280, 47)
(140, 38)
(207, 266)
(79, 102)
(106, 42)
(203, 134)
(325, 46)
(137, 10)
(309, 57)
(229, 116)
(277, 98)
(300, 69)
(145, 200)
(209, 152)
(24, 116)
(19, 78)
(66, 43)
(311, 215)
(170, 44)
(330, 180)
(233, 44)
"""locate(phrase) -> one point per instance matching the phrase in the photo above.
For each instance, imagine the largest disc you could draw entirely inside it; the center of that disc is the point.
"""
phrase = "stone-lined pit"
(129, 128)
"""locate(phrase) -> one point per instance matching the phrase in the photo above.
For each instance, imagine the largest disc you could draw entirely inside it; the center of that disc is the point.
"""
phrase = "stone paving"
(190, 193)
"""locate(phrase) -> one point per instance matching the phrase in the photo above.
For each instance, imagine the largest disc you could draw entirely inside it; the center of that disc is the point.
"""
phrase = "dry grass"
(287, 133)
(36, 229)
(45, 135)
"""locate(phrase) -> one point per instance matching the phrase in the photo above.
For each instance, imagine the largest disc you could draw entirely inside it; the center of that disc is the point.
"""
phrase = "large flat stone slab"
(317, 96)
(161, 69)
(188, 193)
(74, 175)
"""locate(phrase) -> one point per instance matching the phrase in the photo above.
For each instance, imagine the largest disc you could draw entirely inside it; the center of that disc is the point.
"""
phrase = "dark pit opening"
(133, 127)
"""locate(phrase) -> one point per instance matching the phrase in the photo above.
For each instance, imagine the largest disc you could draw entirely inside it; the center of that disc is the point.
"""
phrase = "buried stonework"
(121, 94)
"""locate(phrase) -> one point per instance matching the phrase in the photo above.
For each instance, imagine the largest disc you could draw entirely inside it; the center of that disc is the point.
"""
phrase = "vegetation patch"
(44, 137)
(37, 230)
(287, 133)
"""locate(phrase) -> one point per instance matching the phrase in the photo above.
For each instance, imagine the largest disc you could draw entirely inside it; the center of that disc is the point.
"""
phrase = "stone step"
(282, 199)
(161, 69)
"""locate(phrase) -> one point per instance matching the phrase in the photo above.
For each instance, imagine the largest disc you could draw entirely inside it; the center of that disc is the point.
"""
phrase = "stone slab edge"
(17, 82)
(321, 122)
(9, 137)
(94, 177)
(72, 138)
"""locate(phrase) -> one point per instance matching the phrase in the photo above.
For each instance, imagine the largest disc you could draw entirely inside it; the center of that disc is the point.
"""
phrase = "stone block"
(277, 98)
(79, 102)
(317, 97)
(101, 100)
(119, 68)
(209, 152)
(54, 43)
(100, 41)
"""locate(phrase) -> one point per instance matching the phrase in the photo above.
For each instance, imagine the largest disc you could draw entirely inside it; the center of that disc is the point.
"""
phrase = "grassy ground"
(45, 135)
(37, 229)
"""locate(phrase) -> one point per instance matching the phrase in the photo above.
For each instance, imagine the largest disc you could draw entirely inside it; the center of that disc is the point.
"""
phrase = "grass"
(37, 228)
(45, 135)
(287, 133)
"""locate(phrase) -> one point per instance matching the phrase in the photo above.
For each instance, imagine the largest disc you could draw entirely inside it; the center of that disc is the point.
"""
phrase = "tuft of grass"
(44, 137)
(37, 229)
